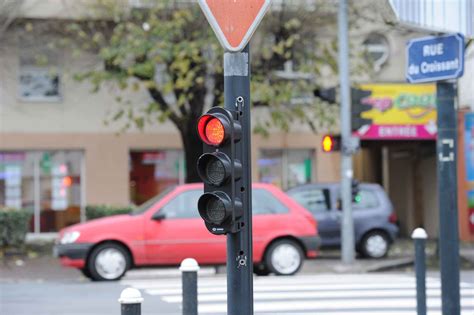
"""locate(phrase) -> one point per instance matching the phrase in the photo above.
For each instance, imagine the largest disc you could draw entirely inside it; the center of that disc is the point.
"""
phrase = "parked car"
(375, 223)
(168, 229)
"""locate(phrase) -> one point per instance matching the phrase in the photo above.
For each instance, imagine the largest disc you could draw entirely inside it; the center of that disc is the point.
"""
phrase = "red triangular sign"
(234, 21)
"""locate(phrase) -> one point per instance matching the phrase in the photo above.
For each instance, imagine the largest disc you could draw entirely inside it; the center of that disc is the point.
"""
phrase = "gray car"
(375, 222)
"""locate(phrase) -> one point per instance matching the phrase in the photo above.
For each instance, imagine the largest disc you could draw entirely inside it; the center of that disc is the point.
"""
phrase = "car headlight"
(70, 237)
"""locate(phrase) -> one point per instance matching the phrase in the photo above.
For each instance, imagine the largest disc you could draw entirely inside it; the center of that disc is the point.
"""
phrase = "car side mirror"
(158, 216)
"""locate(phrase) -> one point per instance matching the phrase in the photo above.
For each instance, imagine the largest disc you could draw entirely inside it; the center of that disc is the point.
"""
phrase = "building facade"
(57, 156)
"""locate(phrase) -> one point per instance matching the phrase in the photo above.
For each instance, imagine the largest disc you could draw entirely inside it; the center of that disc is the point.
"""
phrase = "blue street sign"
(435, 58)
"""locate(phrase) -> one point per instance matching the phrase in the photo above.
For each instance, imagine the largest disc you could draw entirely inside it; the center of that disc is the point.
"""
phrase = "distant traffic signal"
(359, 106)
(220, 169)
(355, 191)
(331, 143)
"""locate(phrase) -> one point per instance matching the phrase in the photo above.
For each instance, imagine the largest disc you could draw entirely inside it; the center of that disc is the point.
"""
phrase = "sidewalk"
(37, 263)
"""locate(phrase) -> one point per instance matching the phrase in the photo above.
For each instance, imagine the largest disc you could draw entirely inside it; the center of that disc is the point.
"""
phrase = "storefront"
(399, 150)
(152, 171)
(49, 184)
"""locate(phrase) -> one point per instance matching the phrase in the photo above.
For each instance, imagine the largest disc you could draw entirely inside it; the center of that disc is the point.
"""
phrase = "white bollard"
(419, 237)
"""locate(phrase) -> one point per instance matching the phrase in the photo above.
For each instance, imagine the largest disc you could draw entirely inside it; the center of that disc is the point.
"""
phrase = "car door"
(318, 201)
(181, 233)
(269, 216)
(366, 211)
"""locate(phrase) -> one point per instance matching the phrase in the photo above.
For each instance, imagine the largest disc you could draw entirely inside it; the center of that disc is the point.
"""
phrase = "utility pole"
(239, 245)
(449, 50)
(347, 231)
(446, 147)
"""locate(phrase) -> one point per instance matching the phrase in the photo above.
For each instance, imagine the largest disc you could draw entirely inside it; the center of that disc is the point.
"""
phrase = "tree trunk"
(192, 146)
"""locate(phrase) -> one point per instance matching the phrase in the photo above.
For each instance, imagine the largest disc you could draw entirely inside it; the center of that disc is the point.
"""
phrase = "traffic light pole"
(347, 231)
(447, 193)
(239, 245)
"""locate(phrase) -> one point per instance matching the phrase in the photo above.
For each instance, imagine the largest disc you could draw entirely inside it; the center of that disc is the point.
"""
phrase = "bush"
(99, 211)
(14, 224)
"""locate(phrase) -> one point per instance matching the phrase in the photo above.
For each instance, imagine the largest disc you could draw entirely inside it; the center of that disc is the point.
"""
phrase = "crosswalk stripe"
(320, 295)
(295, 288)
(302, 305)
(344, 294)
(164, 272)
(205, 281)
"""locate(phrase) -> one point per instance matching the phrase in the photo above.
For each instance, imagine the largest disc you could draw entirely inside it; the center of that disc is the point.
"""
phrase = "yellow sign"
(400, 111)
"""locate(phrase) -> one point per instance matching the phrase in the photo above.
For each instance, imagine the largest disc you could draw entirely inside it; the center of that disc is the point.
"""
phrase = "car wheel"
(108, 262)
(284, 257)
(85, 272)
(375, 245)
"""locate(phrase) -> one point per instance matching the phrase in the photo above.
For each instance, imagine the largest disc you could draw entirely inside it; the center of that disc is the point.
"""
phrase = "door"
(181, 233)
(318, 201)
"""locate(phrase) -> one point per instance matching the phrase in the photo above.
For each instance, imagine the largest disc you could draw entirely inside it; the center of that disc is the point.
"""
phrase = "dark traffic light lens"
(214, 207)
(216, 211)
(215, 168)
(215, 171)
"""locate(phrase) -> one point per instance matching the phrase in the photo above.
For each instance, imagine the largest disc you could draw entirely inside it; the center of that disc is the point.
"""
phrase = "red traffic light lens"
(215, 131)
(328, 144)
(211, 130)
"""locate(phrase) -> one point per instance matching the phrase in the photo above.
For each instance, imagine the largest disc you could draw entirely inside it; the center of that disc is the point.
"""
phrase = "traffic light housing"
(359, 106)
(331, 143)
(220, 169)
(355, 189)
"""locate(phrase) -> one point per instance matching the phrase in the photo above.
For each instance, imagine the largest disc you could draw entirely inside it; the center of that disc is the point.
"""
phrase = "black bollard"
(419, 237)
(189, 268)
(131, 302)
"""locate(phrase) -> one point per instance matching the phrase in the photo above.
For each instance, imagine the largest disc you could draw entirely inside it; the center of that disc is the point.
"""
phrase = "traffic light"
(220, 169)
(331, 143)
(355, 191)
(359, 106)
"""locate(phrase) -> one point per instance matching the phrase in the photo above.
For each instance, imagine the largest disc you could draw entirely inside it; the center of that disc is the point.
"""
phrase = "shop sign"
(399, 112)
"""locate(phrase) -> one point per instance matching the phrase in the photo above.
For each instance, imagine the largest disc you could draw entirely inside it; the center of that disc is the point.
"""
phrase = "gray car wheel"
(108, 262)
(375, 245)
(284, 257)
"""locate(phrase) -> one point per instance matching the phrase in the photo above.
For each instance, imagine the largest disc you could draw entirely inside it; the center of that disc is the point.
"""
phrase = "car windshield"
(146, 205)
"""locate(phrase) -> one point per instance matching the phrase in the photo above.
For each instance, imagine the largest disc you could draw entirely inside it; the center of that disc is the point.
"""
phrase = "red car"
(168, 229)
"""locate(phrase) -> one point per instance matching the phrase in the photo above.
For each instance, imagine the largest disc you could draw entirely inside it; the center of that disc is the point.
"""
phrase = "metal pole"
(446, 148)
(189, 268)
(239, 245)
(419, 237)
(347, 231)
(131, 302)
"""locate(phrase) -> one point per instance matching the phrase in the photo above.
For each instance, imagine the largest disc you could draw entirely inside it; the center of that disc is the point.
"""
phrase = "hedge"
(14, 224)
(99, 211)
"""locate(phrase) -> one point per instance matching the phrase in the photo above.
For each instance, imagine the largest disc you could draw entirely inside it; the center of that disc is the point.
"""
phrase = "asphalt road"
(41, 287)
(37, 285)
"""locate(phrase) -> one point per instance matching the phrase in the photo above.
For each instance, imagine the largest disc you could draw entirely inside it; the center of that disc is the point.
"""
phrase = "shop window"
(47, 183)
(151, 172)
(285, 168)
